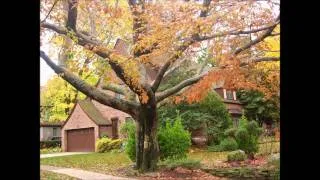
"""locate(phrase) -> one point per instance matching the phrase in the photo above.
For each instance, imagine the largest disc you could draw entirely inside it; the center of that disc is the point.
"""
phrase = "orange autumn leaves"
(232, 76)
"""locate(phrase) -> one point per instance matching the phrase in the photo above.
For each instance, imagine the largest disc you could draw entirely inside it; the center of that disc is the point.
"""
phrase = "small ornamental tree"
(174, 140)
(247, 136)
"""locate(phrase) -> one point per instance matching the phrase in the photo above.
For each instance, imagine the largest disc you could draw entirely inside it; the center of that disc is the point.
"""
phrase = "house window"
(55, 132)
(229, 95)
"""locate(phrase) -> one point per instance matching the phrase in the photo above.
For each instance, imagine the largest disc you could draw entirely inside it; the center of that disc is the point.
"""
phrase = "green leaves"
(257, 107)
(211, 111)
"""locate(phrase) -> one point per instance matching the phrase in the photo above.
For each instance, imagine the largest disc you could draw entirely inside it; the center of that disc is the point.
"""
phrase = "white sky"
(45, 71)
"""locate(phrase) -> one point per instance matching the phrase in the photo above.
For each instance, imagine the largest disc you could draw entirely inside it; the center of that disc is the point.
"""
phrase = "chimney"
(114, 121)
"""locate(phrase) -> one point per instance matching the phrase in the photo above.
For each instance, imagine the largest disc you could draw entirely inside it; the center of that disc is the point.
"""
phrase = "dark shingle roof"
(50, 124)
(94, 114)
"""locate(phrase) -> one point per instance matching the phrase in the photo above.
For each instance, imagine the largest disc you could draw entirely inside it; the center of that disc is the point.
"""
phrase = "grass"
(47, 175)
(106, 163)
(208, 158)
(186, 163)
(267, 148)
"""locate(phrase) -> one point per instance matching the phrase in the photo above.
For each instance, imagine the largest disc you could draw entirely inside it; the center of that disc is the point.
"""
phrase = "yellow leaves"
(58, 40)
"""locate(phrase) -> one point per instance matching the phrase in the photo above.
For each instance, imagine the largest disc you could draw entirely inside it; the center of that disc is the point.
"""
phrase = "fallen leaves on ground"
(181, 174)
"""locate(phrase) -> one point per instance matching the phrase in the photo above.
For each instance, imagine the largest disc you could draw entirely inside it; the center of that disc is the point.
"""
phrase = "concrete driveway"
(62, 154)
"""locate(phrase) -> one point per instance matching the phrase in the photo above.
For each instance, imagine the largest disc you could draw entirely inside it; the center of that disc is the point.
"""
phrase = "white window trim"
(234, 95)
(224, 94)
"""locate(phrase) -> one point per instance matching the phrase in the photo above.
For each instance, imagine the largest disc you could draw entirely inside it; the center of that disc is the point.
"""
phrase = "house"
(50, 131)
(88, 121)
(233, 105)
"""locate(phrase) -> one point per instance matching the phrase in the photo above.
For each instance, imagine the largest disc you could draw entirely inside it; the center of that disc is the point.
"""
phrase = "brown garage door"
(80, 140)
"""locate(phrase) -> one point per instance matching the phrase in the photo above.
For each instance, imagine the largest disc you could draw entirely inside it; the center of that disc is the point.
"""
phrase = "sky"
(45, 71)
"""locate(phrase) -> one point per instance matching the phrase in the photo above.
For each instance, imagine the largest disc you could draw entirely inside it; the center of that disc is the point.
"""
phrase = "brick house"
(50, 131)
(88, 121)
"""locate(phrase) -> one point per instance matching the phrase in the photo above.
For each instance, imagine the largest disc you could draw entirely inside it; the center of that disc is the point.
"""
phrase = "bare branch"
(168, 92)
(261, 59)
(90, 91)
(258, 39)
(55, 2)
(235, 32)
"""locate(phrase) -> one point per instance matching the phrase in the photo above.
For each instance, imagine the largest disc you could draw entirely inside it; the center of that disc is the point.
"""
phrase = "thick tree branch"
(72, 15)
(165, 67)
(206, 4)
(90, 91)
(114, 88)
(171, 91)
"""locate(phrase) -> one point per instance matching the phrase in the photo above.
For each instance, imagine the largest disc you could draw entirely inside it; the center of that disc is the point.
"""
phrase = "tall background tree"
(160, 37)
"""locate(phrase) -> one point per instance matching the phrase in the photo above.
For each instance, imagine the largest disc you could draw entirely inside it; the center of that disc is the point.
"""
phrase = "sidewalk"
(81, 174)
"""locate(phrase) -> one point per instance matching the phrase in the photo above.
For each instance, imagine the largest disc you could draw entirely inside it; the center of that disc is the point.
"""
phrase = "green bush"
(228, 144)
(104, 135)
(186, 163)
(128, 129)
(50, 150)
(210, 111)
(237, 156)
(231, 132)
(247, 136)
(50, 144)
(106, 144)
(174, 140)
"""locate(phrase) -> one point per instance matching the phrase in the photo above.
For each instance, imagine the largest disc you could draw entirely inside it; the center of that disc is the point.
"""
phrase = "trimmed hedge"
(50, 144)
(106, 144)
(237, 156)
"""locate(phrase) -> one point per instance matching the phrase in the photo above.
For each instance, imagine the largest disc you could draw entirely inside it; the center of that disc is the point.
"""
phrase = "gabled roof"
(93, 113)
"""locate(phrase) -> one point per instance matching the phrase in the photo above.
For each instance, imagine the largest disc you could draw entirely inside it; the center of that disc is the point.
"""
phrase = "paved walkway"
(81, 174)
(61, 154)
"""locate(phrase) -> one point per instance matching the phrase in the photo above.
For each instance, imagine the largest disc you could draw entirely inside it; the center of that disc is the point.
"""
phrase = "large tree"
(162, 34)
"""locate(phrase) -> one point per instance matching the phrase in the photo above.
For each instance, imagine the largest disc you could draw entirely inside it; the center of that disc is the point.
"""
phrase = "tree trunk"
(139, 142)
(147, 147)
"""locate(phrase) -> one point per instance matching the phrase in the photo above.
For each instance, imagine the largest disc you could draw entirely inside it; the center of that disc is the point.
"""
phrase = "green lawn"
(47, 175)
(106, 163)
